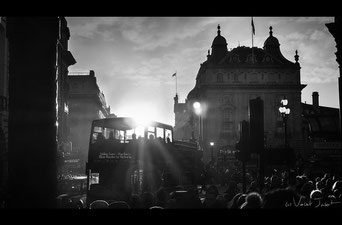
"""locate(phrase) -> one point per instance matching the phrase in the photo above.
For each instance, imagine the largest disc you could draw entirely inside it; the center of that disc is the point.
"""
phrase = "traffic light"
(243, 153)
(256, 128)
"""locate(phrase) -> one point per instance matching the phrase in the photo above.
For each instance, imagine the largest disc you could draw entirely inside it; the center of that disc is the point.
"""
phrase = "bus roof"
(126, 123)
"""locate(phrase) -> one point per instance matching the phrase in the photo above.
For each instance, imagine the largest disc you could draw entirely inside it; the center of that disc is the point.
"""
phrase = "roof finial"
(296, 56)
(271, 32)
(218, 30)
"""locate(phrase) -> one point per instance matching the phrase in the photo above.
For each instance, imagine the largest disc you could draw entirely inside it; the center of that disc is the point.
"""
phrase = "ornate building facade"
(226, 82)
(86, 103)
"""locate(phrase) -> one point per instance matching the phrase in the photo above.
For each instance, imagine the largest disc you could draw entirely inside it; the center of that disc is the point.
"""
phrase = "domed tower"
(272, 47)
(271, 42)
(219, 47)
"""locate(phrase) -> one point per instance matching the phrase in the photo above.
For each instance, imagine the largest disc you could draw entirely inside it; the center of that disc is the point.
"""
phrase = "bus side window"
(121, 136)
(93, 138)
(160, 133)
(168, 134)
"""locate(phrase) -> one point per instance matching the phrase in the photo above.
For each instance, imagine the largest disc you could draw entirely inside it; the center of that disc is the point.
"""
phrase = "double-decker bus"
(127, 157)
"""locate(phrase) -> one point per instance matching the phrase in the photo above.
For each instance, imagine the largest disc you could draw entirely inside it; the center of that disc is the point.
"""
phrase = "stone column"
(336, 29)
(32, 111)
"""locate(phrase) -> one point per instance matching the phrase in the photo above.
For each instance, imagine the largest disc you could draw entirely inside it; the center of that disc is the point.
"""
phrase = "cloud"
(273, 21)
(319, 20)
(295, 36)
(87, 27)
(164, 34)
(320, 75)
(318, 35)
(140, 54)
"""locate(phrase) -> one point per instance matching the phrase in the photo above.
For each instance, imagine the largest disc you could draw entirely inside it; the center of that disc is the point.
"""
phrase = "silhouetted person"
(231, 191)
(135, 202)
(118, 205)
(233, 204)
(99, 204)
(98, 145)
(210, 197)
(281, 198)
(112, 142)
(203, 179)
(194, 199)
(168, 140)
(112, 138)
(100, 138)
(162, 197)
(253, 201)
(147, 200)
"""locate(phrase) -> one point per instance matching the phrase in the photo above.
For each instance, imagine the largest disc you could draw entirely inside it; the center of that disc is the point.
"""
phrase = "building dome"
(219, 40)
(271, 41)
(193, 94)
(219, 46)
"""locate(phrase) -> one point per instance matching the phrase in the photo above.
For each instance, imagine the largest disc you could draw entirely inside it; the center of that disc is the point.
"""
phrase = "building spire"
(218, 30)
(271, 32)
(296, 56)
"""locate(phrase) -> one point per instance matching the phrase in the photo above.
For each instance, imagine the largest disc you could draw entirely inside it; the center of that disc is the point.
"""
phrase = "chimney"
(92, 73)
(315, 102)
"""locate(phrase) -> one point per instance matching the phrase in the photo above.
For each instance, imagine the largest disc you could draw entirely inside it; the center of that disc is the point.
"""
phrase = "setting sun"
(141, 112)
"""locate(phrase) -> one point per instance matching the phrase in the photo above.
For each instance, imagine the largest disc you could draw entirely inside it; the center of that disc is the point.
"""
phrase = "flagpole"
(176, 83)
(175, 75)
(252, 41)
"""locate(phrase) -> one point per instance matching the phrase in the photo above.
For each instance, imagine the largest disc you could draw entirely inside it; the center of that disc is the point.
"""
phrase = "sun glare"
(142, 113)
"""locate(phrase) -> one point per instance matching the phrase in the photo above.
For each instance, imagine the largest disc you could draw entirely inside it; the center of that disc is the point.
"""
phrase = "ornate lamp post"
(285, 111)
(212, 150)
(198, 111)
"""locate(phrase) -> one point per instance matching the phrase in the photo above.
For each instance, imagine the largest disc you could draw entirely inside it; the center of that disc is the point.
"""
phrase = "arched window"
(227, 120)
(235, 58)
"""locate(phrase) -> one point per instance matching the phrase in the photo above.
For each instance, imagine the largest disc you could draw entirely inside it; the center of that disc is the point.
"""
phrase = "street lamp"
(285, 111)
(198, 111)
(212, 150)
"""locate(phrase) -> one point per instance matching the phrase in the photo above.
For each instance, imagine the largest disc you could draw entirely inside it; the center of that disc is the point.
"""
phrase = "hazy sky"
(134, 57)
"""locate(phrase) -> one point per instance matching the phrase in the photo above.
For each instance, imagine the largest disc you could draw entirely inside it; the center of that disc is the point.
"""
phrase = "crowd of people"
(280, 190)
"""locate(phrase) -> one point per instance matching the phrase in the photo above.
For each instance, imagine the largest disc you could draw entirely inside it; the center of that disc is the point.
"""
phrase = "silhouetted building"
(335, 29)
(183, 120)
(32, 130)
(33, 74)
(322, 135)
(226, 82)
(86, 103)
(4, 78)
(64, 60)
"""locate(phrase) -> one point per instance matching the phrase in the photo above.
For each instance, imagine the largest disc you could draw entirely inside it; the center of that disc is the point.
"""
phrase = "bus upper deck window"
(121, 136)
(151, 129)
(160, 132)
(97, 129)
(168, 134)
(129, 134)
(139, 131)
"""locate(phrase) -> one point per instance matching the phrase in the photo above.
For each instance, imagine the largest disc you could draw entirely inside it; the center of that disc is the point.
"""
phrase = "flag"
(253, 29)
(174, 74)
